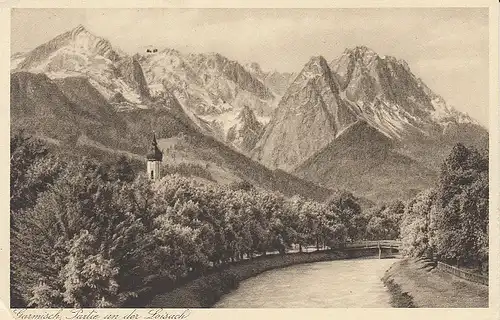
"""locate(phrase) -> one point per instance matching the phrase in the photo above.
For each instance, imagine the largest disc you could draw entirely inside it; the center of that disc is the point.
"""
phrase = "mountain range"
(361, 122)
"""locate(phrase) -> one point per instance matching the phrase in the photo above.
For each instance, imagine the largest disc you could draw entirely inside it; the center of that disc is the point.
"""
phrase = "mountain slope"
(366, 123)
(276, 81)
(246, 132)
(363, 160)
(390, 96)
(363, 122)
(392, 99)
(80, 53)
(326, 98)
(72, 113)
(308, 117)
(212, 89)
(63, 109)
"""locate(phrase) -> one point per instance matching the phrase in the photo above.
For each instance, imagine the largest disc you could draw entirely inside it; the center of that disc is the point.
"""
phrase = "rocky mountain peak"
(314, 79)
(361, 55)
(80, 53)
(366, 57)
(361, 51)
(80, 29)
(213, 65)
(317, 65)
(246, 132)
(324, 99)
(78, 40)
(389, 95)
(308, 117)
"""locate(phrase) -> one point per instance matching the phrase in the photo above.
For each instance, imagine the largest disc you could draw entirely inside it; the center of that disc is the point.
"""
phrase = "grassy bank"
(207, 290)
(416, 283)
(399, 299)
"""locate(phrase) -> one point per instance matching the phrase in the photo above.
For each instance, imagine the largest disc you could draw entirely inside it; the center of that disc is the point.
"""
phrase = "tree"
(461, 222)
(383, 222)
(32, 171)
(345, 206)
(450, 222)
(241, 185)
(86, 243)
(416, 233)
(122, 170)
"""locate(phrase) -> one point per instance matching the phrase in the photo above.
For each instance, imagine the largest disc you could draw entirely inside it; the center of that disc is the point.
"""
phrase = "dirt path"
(431, 288)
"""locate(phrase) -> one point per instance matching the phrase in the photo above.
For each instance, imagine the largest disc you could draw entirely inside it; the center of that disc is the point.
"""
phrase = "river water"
(351, 283)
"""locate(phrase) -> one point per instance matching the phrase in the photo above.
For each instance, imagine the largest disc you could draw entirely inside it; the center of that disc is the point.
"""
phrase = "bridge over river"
(383, 248)
(384, 244)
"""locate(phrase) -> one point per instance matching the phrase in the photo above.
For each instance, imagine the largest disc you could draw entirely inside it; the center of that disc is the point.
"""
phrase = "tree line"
(90, 234)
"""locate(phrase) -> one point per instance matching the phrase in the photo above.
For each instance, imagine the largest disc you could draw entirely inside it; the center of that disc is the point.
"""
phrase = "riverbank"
(416, 283)
(207, 290)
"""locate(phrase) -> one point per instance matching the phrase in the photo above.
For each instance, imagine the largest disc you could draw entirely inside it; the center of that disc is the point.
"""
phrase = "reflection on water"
(331, 284)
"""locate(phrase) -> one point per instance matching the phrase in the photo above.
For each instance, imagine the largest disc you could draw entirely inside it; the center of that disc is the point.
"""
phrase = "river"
(351, 283)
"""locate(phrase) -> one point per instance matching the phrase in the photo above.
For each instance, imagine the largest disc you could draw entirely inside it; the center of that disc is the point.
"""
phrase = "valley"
(359, 122)
(165, 160)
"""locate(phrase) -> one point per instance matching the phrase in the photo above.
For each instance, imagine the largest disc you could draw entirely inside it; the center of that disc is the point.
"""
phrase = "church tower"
(154, 159)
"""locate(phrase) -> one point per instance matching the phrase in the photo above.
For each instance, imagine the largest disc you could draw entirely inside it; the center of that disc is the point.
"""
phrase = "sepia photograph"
(249, 158)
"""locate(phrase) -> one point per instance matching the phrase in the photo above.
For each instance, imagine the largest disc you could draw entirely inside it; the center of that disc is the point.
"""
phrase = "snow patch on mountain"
(80, 53)
(16, 59)
(388, 93)
(325, 98)
(211, 87)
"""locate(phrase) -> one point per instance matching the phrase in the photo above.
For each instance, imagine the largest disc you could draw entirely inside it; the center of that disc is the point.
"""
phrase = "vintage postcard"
(323, 160)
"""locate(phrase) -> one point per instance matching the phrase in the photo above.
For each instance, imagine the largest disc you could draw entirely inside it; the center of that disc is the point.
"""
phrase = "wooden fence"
(462, 274)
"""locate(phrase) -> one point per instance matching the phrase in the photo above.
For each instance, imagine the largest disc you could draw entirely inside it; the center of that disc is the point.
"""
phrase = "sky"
(446, 47)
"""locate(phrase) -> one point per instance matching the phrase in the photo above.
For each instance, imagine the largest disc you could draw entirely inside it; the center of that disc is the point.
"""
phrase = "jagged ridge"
(308, 117)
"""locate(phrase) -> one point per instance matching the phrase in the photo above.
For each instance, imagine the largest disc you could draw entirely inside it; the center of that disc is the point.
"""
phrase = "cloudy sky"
(446, 47)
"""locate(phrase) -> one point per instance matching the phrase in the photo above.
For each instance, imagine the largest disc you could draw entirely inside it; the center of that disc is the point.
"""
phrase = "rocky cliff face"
(131, 72)
(212, 89)
(326, 98)
(80, 53)
(276, 81)
(308, 117)
(246, 132)
(389, 96)
(208, 84)
(218, 65)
